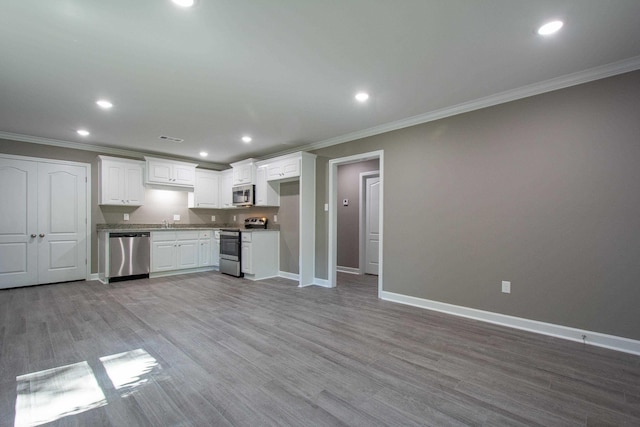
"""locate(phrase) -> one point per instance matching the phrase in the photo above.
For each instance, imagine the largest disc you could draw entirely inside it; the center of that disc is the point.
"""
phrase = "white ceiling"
(283, 71)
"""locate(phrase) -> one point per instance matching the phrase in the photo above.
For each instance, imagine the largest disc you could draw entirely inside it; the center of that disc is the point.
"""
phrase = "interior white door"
(62, 223)
(19, 223)
(372, 226)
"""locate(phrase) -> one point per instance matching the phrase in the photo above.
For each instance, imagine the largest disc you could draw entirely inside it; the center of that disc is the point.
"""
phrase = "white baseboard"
(287, 275)
(94, 276)
(178, 272)
(572, 334)
(322, 282)
(349, 270)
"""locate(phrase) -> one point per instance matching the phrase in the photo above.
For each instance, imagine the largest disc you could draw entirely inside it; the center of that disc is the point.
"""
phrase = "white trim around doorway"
(333, 213)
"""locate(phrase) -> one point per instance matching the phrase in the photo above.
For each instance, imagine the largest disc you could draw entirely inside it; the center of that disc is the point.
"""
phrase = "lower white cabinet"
(260, 254)
(180, 250)
(215, 250)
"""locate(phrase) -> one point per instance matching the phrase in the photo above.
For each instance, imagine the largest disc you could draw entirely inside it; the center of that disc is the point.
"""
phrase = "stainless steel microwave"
(243, 195)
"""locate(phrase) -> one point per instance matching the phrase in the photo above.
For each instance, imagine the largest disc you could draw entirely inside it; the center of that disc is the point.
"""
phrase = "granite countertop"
(120, 228)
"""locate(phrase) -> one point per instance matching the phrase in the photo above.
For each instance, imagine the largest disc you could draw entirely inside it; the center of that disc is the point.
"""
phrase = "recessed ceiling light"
(203, 154)
(103, 103)
(362, 96)
(83, 132)
(184, 3)
(246, 139)
(550, 28)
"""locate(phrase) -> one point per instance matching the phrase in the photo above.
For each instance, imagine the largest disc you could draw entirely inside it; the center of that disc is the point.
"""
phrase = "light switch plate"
(326, 207)
(126, 217)
(176, 217)
(213, 218)
(234, 218)
(506, 287)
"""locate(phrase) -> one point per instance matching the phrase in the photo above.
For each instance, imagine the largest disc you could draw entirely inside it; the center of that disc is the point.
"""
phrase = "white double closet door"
(43, 222)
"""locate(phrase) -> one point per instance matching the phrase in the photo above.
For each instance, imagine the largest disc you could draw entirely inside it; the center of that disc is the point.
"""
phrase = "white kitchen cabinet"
(286, 168)
(206, 191)
(244, 172)
(267, 193)
(260, 254)
(226, 185)
(174, 250)
(205, 239)
(170, 172)
(121, 181)
(215, 250)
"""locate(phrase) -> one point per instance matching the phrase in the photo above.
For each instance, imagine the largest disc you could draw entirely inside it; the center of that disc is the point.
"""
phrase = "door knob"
(33, 236)
(41, 234)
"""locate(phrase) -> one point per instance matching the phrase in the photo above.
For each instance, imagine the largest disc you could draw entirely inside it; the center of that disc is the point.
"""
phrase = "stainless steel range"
(230, 252)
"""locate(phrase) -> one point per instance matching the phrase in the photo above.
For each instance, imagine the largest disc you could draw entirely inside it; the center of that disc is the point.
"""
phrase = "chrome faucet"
(165, 224)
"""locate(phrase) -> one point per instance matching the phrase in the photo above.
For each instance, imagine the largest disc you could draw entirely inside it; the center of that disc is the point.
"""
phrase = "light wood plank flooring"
(208, 349)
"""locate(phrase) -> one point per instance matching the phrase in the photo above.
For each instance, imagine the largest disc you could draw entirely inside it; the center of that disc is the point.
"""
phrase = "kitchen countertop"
(123, 228)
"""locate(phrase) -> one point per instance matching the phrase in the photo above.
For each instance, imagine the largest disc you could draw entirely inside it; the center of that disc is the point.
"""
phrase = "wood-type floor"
(207, 349)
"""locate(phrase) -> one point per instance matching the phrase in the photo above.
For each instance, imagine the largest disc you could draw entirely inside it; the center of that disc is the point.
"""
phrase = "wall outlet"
(275, 218)
(176, 217)
(326, 207)
(213, 218)
(506, 287)
(126, 217)
(234, 218)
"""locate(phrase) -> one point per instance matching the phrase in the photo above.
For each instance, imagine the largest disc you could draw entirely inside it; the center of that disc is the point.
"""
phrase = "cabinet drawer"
(187, 235)
(246, 237)
(163, 236)
(205, 234)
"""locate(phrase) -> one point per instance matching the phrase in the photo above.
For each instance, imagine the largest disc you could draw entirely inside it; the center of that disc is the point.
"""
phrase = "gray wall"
(348, 182)
(542, 192)
(289, 218)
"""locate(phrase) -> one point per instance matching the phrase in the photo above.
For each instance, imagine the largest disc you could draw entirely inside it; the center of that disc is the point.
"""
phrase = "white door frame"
(87, 167)
(333, 212)
(362, 218)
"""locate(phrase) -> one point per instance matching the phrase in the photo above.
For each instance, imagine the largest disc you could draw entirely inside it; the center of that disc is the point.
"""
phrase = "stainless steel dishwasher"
(129, 255)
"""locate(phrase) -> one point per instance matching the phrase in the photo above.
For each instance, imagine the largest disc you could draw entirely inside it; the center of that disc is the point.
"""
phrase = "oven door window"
(229, 247)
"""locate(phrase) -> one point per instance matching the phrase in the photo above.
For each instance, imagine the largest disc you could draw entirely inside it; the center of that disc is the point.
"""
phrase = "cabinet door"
(159, 172)
(187, 254)
(112, 176)
(243, 174)
(283, 169)
(266, 193)
(246, 261)
(133, 185)
(205, 253)
(184, 175)
(215, 252)
(207, 190)
(226, 195)
(163, 256)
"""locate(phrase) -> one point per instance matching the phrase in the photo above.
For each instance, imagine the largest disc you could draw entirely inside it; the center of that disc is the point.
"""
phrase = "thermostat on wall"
(345, 202)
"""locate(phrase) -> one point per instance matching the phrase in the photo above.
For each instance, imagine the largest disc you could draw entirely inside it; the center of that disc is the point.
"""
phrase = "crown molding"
(568, 80)
(97, 148)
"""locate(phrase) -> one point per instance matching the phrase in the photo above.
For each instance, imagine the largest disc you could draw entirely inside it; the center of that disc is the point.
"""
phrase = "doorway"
(333, 214)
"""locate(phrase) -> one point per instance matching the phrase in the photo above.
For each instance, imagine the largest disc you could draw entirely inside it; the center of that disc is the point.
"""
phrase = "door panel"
(61, 222)
(372, 225)
(18, 250)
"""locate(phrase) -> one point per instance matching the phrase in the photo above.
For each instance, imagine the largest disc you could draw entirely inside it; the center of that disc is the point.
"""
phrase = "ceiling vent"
(171, 139)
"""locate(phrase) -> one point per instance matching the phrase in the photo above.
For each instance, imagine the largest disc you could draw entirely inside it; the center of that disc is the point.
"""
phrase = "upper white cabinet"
(206, 191)
(267, 193)
(170, 172)
(286, 168)
(244, 172)
(226, 195)
(121, 181)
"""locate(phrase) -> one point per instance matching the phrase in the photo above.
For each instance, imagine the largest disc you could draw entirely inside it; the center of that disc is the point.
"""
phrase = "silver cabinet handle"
(41, 234)
(33, 236)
